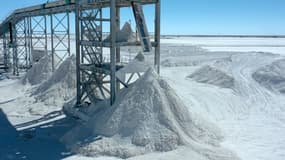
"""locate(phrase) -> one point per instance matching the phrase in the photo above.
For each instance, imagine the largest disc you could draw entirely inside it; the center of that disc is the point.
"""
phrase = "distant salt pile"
(40, 71)
(147, 117)
(213, 76)
(272, 76)
(60, 86)
(176, 56)
(126, 34)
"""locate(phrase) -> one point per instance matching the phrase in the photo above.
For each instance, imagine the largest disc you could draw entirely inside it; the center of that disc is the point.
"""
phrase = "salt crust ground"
(256, 137)
(147, 117)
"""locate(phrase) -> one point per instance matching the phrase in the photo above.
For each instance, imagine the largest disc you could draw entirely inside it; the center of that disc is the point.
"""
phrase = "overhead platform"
(63, 6)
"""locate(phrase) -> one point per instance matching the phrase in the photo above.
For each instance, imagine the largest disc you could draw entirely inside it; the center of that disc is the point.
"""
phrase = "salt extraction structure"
(24, 36)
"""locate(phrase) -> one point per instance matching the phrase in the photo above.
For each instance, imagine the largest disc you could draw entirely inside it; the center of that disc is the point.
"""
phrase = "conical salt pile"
(60, 86)
(147, 117)
(40, 71)
(126, 34)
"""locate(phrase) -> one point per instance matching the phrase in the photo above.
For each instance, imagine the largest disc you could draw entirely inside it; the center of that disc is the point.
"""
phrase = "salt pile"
(61, 86)
(126, 34)
(272, 76)
(40, 71)
(146, 117)
(213, 76)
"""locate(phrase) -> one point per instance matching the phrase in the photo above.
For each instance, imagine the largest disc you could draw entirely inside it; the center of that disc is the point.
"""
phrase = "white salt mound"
(126, 34)
(61, 86)
(40, 71)
(146, 117)
(137, 65)
(213, 76)
(272, 76)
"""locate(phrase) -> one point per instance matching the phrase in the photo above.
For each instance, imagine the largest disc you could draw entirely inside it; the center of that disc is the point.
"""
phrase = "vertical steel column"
(29, 41)
(118, 49)
(78, 56)
(7, 52)
(157, 36)
(26, 44)
(52, 42)
(14, 47)
(68, 33)
(113, 27)
(4, 52)
(45, 32)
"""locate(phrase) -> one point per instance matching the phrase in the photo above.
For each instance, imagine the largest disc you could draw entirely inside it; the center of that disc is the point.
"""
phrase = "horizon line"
(226, 35)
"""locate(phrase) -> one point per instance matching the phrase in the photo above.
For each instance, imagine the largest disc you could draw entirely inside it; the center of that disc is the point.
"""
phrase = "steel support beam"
(118, 49)
(7, 52)
(2, 52)
(13, 43)
(157, 36)
(113, 26)
(78, 55)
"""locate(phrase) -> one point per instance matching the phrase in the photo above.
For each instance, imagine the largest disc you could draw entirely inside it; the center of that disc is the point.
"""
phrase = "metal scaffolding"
(60, 38)
(6, 52)
(22, 44)
(27, 30)
(38, 33)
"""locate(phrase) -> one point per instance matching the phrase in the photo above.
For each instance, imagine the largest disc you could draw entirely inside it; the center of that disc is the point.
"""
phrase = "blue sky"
(253, 17)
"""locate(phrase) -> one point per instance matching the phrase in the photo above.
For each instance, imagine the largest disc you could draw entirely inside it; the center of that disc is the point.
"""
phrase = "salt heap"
(61, 86)
(213, 76)
(40, 71)
(272, 76)
(126, 34)
(146, 117)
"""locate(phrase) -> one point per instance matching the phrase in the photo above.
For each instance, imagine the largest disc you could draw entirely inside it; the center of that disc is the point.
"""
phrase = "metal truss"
(96, 71)
(38, 33)
(91, 77)
(60, 38)
(22, 44)
(7, 52)
(13, 45)
(96, 77)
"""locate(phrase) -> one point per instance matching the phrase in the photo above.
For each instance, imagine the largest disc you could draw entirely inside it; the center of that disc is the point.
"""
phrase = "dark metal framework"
(38, 33)
(96, 76)
(7, 52)
(92, 76)
(22, 44)
(2, 52)
(60, 38)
